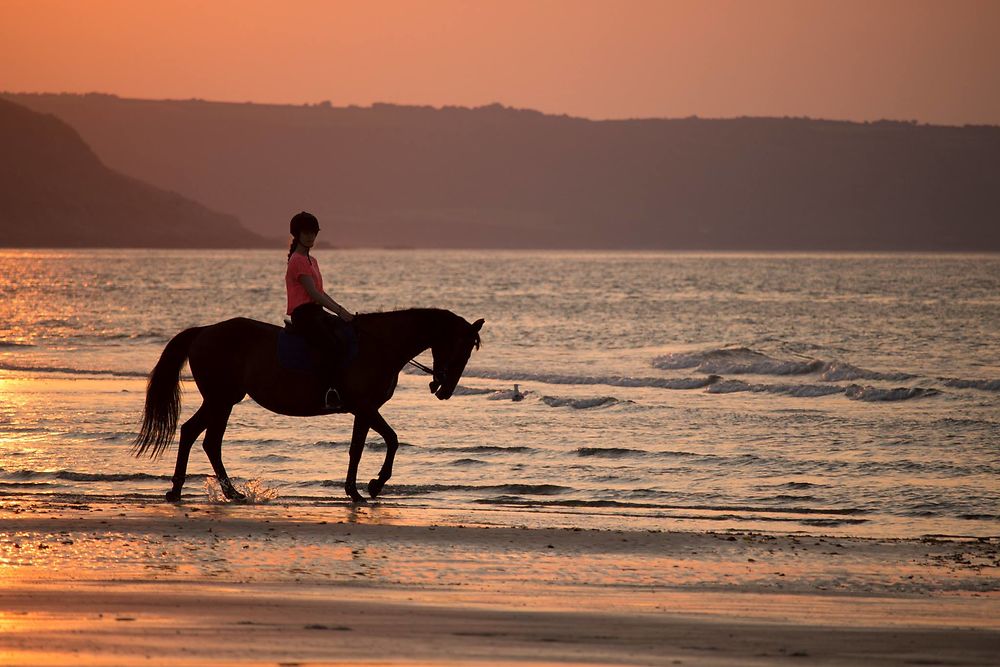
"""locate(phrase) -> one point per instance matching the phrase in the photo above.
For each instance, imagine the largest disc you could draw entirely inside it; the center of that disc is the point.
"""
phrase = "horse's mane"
(415, 312)
(440, 314)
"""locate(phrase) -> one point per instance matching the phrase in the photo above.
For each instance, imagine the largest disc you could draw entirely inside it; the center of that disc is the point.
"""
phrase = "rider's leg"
(311, 321)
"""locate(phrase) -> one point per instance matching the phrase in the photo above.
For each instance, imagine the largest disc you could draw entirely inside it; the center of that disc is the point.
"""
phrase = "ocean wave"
(508, 395)
(424, 489)
(737, 361)
(797, 390)
(858, 393)
(611, 452)
(69, 370)
(570, 502)
(58, 323)
(26, 485)
(10, 343)
(581, 403)
(370, 445)
(154, 336)
(255, 442)
(75, 476)
(271, 458)
(610, 380)
(746, 361)
(837, 371)
(462, 390)
(854, 392)
(985, 385)
(468, 462)
(832, 523)
(514, 489)
(491, 449)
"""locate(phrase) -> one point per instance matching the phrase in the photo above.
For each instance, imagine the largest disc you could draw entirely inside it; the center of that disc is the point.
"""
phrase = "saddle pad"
(293, 352)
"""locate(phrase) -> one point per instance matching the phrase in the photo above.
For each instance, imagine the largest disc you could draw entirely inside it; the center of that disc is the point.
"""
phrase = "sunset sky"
(934, 62)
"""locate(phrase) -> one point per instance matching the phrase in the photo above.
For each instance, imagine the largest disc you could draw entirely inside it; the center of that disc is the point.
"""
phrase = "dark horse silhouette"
(239, 356)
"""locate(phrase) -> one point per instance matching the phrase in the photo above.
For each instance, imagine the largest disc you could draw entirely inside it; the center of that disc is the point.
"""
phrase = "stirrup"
(332, 399)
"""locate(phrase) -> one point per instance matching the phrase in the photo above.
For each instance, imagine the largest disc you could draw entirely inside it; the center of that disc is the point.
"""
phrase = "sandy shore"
(127, 584)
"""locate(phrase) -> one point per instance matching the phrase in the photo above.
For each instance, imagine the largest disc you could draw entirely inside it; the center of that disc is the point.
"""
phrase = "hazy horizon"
(926, 61)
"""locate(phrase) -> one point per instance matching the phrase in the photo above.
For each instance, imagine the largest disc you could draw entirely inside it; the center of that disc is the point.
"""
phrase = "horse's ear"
(478, 324)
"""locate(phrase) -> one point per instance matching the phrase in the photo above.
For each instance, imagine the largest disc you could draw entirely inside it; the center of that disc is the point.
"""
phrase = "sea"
(795, 393)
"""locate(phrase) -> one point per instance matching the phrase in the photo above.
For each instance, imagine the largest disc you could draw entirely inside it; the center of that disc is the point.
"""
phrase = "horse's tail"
(163, 397)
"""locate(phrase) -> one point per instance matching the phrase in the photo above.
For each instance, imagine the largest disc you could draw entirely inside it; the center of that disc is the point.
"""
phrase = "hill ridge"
(55, 191)
(494, 176)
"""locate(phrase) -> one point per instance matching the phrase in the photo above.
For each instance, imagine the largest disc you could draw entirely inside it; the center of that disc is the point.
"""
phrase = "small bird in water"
(517, 396)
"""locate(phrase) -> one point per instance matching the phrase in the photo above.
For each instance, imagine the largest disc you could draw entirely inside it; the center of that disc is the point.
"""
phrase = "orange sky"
(910, 59)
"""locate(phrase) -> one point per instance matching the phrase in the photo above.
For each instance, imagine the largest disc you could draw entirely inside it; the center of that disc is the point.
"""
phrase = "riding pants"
(333, 340)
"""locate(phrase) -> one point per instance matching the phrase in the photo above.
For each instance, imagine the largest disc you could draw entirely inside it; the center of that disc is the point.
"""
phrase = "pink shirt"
(300, 265)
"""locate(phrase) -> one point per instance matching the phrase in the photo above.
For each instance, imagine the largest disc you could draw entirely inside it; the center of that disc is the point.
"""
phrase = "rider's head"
(301, 222)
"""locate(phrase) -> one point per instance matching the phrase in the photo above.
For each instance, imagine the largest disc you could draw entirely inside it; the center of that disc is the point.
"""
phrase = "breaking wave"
(799, 390)
(745, 361)
(985, 385)
(835, 371)
(611, 380)
(462, 390)
(737, 361)
(581, 403)
(859, 393)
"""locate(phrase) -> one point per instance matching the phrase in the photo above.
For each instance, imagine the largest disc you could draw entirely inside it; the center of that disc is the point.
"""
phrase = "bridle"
(441, 375)
(437, 377)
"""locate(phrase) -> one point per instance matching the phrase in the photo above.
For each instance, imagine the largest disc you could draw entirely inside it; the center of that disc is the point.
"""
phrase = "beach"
(199, 583)
(716, 460)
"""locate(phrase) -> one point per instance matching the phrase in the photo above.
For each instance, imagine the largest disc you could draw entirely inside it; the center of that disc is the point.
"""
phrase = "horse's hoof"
(230, 492)
(356, 497)
(173, 496)
(375, 487)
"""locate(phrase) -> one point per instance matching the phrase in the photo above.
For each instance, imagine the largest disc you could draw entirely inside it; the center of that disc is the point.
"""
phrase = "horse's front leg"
(391, 445)
(361, 426)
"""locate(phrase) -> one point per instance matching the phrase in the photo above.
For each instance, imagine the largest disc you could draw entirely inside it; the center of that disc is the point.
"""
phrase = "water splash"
(257, 492)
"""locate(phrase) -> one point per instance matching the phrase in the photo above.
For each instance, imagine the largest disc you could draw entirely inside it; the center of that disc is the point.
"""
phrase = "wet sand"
(125, 584)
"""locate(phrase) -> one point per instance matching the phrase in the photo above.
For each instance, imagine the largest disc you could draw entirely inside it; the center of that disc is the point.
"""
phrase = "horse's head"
(451, 353)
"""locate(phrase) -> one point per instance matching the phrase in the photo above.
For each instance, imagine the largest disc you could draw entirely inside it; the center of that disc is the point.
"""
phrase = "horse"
(238, 357)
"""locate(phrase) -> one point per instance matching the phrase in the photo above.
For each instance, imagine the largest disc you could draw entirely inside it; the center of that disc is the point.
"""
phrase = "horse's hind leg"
(217, 420)
(391, 445)
(190, 431)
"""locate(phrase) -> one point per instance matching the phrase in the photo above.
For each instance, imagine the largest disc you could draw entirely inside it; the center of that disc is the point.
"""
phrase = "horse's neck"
(407, 333)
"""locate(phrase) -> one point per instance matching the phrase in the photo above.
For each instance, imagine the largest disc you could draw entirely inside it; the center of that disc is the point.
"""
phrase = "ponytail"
(291, 249)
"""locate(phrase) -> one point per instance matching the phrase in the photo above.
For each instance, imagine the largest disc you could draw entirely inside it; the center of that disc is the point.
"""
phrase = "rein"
(413, 362)
(420, 366)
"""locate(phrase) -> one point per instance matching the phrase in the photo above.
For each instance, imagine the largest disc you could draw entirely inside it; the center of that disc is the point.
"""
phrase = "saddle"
(295, 353)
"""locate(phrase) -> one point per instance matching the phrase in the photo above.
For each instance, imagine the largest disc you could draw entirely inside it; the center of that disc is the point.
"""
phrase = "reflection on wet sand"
(119, 582)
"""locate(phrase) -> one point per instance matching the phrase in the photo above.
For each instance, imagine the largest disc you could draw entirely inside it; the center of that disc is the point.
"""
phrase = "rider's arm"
(323, 299)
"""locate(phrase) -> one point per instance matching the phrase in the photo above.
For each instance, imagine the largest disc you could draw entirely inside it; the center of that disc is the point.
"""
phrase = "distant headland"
(55, 192)
(497, 177)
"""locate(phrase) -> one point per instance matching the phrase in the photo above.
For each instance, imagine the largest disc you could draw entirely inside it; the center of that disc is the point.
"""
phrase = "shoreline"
(251, 585)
